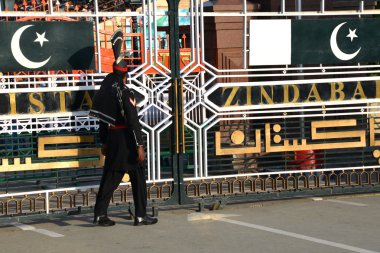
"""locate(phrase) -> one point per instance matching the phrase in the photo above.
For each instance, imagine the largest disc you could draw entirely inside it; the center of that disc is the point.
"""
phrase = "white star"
(41, 38)
(352, 34)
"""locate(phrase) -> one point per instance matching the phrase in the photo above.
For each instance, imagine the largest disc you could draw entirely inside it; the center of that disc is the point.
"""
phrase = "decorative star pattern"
(352, 34)
(41, 38)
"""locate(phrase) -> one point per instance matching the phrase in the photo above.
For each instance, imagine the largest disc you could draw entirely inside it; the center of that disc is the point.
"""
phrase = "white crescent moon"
(19, 56)
(336, 50)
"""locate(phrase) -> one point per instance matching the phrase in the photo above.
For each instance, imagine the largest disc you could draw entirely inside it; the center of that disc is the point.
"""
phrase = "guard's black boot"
(103, 221)
(147, 220)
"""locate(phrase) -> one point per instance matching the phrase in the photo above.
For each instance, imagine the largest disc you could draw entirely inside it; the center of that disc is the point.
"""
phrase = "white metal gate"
(241, 140)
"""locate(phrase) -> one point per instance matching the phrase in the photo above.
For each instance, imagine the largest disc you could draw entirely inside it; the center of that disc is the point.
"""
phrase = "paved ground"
(333, 225)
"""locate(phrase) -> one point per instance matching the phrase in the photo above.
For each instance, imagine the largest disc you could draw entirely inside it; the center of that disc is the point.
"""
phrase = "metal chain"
(119, 98)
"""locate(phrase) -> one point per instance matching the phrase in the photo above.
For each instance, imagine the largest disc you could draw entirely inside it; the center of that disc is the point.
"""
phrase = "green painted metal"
(179, 195)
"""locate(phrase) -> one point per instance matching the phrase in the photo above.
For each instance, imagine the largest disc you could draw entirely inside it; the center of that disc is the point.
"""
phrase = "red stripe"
(120, 68)
(117, 127)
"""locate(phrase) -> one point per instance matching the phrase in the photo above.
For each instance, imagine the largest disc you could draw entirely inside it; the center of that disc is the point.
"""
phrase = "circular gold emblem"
(237, 137)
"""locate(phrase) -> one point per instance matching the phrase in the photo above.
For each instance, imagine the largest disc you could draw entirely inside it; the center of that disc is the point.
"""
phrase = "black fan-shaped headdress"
(119, 64)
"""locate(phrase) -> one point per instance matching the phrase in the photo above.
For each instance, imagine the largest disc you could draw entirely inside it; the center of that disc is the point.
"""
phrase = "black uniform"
(122, 135)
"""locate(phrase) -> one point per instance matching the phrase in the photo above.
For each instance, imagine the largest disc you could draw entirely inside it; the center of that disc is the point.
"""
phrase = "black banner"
(335, 41)
(31, 46)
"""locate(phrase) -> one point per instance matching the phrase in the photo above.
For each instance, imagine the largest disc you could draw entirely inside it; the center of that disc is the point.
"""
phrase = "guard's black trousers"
(111, 180)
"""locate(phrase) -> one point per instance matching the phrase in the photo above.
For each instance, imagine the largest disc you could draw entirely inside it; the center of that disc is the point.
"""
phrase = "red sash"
(117, 127)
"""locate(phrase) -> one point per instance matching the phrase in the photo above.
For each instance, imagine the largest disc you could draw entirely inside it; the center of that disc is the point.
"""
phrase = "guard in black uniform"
(120, 133)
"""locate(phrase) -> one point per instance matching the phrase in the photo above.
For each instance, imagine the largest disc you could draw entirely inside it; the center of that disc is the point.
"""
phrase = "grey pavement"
(313, 225)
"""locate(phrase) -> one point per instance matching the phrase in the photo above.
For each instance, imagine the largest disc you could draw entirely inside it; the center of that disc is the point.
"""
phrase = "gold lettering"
(265, 94)
(296, 92)
(62, 99)
(231, 96)
(163, 56)
(36, 102)
(314, 94)
(337, 90)
(185, 60)
(12, 102)
(86, 101)
(377, 88)
(249, 95)
(359, 91)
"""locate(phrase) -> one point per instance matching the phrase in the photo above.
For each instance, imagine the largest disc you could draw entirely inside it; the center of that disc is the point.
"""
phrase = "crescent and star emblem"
(334, 45)
(17, 53)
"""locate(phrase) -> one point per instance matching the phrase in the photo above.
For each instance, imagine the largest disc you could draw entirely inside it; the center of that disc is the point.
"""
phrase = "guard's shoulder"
(129, 96)
(110, 76)
(127, 91)
(108, 80)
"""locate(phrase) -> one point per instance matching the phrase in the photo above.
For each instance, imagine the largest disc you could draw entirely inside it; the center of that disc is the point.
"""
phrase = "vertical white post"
(98, 36)
(245, 35)
(47, 203)
(51, 7)
(282, 6)
(361, 6)
(322, 6)
(298, 7)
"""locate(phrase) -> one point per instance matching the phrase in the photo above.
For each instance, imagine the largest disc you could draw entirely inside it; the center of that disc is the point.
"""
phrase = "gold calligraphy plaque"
(44, 153)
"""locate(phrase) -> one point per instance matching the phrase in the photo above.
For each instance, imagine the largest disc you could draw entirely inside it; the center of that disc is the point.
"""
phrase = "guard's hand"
(140, 154)
(103, 150)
